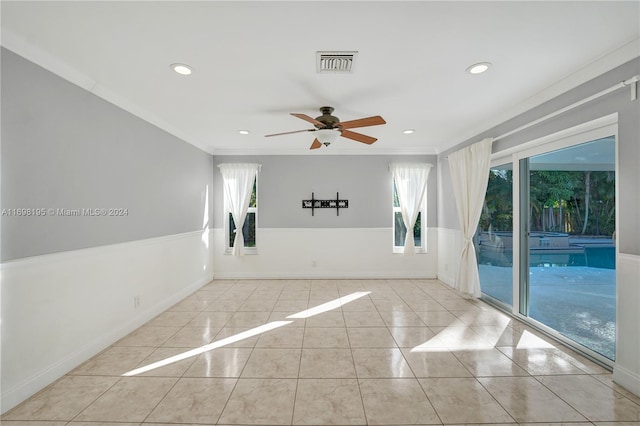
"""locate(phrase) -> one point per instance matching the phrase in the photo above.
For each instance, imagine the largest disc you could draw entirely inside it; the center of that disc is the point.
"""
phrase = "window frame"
(227, 225)
(423, 222)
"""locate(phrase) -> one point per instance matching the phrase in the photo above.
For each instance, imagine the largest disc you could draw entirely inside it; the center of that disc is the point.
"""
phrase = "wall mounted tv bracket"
(325, 204)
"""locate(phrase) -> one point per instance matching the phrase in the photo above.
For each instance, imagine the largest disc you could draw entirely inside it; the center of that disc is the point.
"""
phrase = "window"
(249, 228)
(400, 230)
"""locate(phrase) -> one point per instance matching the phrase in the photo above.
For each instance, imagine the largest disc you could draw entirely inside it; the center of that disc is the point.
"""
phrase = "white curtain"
(411, 185)
(238, 184)
(470, 176)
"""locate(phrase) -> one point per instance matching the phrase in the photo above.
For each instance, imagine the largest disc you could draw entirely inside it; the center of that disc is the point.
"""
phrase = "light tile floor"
(404, 352)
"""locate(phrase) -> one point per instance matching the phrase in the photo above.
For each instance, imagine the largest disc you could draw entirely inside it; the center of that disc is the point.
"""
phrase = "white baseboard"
(318, 276)
(449, 280)
(70, 326)
(626, 371)
(627, 379)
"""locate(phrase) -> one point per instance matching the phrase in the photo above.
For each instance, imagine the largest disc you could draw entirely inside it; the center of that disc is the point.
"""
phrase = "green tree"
(602, 205)
(498, 206)
(549, 189)
(577, 202)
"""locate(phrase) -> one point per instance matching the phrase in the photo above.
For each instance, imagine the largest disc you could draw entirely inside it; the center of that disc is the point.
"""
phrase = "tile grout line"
(91, 403)
(409, 365)
(224, 407)
(177, 380)
(353, 360)
(295, 393)
(558, 396)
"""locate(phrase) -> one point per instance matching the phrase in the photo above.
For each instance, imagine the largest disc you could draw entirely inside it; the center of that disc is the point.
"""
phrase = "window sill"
(249, 251)
(400, 250)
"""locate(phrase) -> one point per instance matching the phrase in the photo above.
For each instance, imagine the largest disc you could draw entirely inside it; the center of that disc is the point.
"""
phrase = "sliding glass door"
(558, 244)
(570, 243)
(494, 238)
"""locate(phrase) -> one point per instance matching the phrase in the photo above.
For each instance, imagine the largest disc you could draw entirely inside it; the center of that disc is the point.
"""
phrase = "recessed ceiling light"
(243, 132)
(479, 68)
(181, 69)
(408, 131)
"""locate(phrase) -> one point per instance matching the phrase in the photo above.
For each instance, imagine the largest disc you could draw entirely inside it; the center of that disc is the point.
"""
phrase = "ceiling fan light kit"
(329, 127)
(327, 136)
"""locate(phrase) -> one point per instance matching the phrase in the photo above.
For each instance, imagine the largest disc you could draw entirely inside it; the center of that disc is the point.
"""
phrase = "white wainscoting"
(449, 247)
(59, 310)
(626, 371)
(325, 253)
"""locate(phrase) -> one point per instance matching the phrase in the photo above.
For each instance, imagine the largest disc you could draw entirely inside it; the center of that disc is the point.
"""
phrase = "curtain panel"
(470, 176)
(238, 181)
(411, 185)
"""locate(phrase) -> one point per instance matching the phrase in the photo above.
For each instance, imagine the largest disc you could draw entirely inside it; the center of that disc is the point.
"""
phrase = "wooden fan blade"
(363, 122)
(316, 144)
(313, 121)
(288, 133)
(358, 137)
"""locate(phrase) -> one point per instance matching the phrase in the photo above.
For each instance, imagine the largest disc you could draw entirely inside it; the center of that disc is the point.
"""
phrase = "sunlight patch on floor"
(325, 307)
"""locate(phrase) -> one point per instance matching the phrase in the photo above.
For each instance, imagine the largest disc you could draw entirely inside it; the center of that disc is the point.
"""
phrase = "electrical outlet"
(136, 301)
(313, 264)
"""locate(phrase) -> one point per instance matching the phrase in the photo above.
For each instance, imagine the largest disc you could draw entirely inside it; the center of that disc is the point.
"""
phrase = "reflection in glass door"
(571, 243)
(494, 237)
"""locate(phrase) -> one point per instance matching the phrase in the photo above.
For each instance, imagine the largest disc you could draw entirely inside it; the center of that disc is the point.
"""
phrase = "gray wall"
(63, 147)
(628, 145)
(287, 180)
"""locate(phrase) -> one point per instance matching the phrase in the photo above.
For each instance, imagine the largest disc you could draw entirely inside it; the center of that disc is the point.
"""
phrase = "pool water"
(596, 257)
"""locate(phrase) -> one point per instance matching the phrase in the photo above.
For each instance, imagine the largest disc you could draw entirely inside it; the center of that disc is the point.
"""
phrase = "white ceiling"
(254, 62)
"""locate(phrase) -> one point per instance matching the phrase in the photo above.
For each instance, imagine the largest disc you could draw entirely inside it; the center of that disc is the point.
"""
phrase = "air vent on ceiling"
(335, 62)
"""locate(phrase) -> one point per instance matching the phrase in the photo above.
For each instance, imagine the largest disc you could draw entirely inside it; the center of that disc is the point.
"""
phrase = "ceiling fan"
(329, 127)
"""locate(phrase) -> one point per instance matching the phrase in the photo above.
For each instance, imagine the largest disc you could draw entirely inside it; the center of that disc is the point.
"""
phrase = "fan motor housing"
(327, 119)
